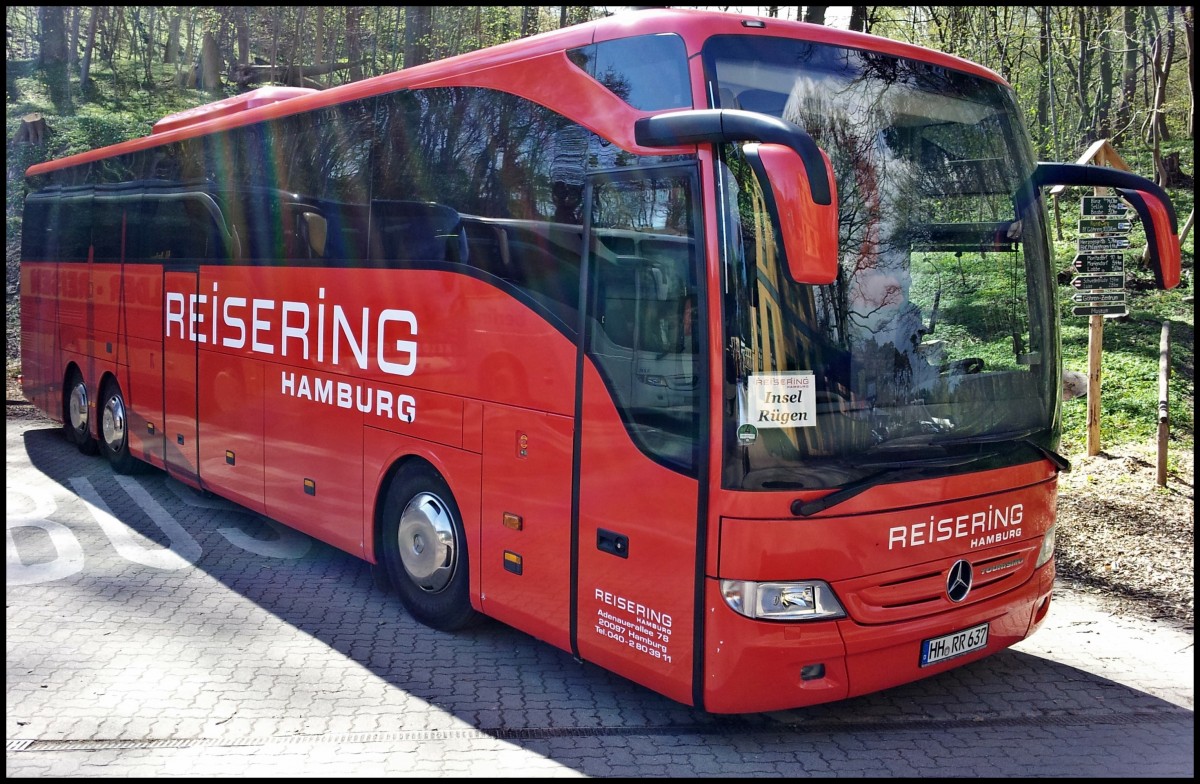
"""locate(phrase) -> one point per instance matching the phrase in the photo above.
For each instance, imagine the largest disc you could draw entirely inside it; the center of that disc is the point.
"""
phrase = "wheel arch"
(64, 388)
(461, 470)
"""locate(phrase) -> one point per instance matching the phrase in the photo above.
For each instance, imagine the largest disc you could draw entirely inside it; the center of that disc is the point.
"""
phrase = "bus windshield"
(938, 338)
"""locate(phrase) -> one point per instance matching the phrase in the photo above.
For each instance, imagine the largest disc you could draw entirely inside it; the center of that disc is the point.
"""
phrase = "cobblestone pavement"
(154, 632)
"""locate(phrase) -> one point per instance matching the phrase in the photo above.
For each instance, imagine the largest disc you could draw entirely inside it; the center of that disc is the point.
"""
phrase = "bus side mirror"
(809, 230)
(1162, 240)
(1151, 202)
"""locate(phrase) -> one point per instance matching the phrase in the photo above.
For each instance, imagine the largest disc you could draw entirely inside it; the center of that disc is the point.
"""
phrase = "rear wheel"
(425, 550)
(114, 431)
(76, 414)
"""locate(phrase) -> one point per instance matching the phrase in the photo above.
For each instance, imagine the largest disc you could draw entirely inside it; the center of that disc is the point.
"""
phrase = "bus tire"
(114, 431)
(424, 549)
(76, 416)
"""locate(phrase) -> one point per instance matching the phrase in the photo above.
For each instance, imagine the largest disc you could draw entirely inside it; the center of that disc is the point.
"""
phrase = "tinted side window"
(330, 169)
(485, 179)
(643, 306)
(648, 72)
(58, 225)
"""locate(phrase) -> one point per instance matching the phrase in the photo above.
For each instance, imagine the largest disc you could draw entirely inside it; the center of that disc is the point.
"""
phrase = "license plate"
(937, 649)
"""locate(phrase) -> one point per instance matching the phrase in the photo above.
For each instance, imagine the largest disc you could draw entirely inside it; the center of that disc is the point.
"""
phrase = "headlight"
(1047, 551)
(798, 601)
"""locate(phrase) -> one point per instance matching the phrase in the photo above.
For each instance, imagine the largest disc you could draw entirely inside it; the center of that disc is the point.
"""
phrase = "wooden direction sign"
(1101, 244)
(1104, 226)
(1092, 282)
(1100, 310)
(1107, 297)
(1098, 206)
(1099, 262)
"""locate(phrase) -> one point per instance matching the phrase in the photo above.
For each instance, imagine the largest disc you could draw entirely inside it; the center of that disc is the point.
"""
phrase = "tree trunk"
(73, 48)
(815, 14)
(1084, 74)
(54, 36)
(151, 47)
(1043, 90)
(319, 38)
(1103, 106)
(1189, 41)
(354, 15)
(858, 18)
(1162, 54)
(53, 58)
(89, 41)
(1129, 65)
(296, 70)
(241, 26)
(189, 75)
(210, 65)
(274, 58)
(172, 53)
(418, 26)
(32, 130)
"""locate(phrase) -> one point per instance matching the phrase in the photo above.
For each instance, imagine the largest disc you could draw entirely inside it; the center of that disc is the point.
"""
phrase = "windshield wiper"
(1012, 436)
(893, 471)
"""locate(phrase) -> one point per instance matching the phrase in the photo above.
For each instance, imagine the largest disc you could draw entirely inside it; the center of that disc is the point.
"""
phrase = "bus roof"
(693, 26)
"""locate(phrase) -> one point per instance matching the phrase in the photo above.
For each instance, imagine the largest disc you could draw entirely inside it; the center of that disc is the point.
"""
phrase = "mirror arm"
(718, 126)
(1101, 177)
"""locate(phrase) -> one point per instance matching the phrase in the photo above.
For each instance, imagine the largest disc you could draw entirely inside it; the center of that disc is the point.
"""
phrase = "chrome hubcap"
(77, 407)
(112, 424)
(428, 548)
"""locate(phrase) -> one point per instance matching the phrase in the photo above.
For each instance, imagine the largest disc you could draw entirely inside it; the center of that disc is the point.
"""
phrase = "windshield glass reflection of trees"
(940, 324)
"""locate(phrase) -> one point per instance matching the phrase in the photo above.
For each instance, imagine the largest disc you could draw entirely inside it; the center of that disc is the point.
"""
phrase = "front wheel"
(425, 549)
(114, 431)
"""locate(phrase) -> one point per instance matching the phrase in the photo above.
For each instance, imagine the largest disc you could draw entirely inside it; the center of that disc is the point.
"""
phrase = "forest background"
(82, 77)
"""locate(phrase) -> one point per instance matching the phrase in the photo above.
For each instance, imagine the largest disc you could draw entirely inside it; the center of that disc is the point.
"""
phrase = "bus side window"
(35, 234)
(411, 231)
(312, 231)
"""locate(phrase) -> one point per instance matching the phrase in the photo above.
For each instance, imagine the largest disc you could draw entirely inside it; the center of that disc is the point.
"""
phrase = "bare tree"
(1162, 53)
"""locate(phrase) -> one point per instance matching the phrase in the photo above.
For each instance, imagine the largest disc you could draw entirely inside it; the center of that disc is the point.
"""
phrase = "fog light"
(811, 672)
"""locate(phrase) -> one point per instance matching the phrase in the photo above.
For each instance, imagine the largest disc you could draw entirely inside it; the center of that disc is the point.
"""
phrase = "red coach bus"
(719, 351)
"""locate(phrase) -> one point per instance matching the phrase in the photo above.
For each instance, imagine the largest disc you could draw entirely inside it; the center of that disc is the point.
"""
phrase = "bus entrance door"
(637, 557)
(180, 436)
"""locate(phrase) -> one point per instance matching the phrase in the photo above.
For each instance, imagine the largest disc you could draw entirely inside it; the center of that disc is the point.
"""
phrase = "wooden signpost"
(1099, 284)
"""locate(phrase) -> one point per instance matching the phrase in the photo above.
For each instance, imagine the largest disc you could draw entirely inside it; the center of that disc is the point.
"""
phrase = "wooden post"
(1164, 417)
(1095, 350)
(1095, 346)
